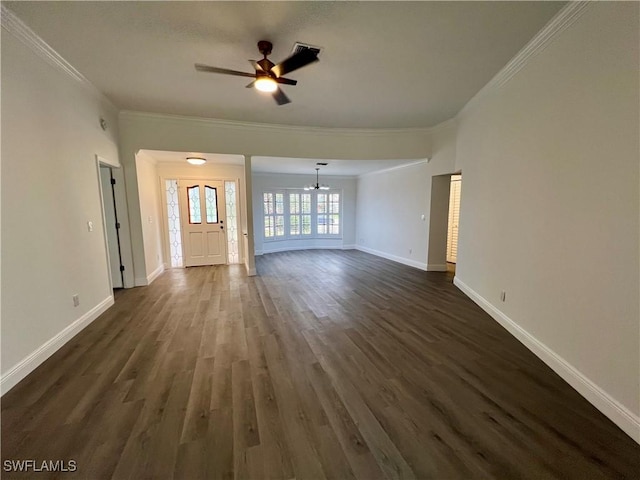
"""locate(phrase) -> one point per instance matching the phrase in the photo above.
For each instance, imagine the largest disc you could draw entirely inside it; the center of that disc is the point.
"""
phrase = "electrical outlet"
(410, 251)
(503, 296)
(76, 300)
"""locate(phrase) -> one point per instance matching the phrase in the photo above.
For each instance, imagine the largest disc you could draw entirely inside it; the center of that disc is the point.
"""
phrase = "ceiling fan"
(267, 75)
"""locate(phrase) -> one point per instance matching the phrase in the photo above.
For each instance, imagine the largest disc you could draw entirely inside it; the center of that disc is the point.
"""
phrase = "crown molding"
(22, 32)
(329, 131)
(563, 19)
(12, 24)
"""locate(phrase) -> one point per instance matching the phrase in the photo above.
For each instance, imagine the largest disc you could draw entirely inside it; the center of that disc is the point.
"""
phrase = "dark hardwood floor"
(329, 364)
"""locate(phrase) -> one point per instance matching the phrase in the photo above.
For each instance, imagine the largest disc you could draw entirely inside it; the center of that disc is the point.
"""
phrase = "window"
(211, 201)
(328, 214)
(273, 215)
(232, 221)
(193, 196)
(299, 214)
(292, 214)
(173, 220)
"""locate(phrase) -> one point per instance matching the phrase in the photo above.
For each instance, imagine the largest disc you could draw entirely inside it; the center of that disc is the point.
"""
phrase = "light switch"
(90, 226)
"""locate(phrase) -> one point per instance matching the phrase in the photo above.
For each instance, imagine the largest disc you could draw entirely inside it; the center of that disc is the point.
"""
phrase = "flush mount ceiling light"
(266, 84)
(196, 160)
(317, 186)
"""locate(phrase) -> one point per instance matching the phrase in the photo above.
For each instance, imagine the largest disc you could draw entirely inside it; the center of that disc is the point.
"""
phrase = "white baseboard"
(609, 406)
(277, 250)
(436, 267)
(388, 256)
(251, 272)
(264, 251)
(38, 356)
(155, 274)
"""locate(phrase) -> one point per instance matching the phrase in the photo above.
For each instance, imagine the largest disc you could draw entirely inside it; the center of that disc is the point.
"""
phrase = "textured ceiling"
(384, 64)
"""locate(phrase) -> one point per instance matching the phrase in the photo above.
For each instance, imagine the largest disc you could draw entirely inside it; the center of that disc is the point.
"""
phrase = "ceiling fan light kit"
(266, 84)
(268, 76)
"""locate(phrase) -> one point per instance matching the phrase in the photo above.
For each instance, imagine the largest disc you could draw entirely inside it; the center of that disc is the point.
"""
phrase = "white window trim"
(287, 229)
(314, 215)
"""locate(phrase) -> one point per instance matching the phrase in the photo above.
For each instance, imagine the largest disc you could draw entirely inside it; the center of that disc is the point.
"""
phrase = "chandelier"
(316, 186)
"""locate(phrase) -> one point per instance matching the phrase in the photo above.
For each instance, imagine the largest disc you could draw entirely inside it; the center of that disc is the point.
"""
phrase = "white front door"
(203, 222)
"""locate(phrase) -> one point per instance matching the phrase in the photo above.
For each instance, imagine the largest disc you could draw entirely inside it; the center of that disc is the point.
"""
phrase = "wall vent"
(299, 47)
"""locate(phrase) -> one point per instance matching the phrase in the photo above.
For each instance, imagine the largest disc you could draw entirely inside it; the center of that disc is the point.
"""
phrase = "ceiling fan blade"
(286, 81)
(252, 84)
(280, 97)
(226, 71)
(294, 62)
(256, 65)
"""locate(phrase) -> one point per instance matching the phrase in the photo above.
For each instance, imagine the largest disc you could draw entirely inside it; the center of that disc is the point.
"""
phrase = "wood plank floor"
(329, 364)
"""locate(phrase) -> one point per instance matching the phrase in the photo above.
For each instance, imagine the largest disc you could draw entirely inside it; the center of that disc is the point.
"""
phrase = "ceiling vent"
(299, 47)
(322, 164)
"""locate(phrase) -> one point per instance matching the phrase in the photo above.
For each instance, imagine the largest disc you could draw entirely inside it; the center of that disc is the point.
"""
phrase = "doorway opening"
(209, 224)
(455, 192)
(111, 226)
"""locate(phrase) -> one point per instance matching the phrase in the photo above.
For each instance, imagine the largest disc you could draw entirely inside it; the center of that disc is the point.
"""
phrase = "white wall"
(550, 211)
(50, 190)
(206, 171)
(390, 206)
(440, 167)
(263, 182)
(150, 212)
(391, 203)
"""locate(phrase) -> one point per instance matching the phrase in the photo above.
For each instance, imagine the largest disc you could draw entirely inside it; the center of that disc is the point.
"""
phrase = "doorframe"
(103, 162)
(165, 220)
(439, 221)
